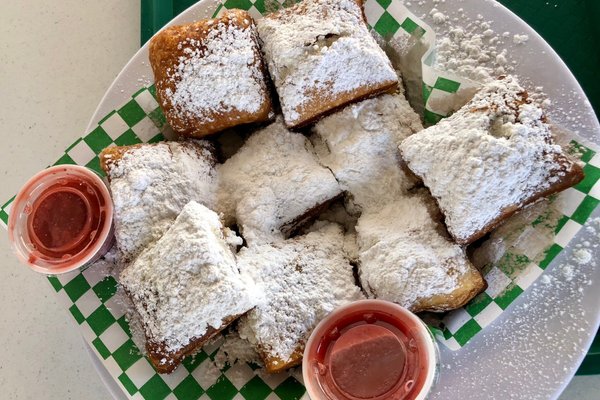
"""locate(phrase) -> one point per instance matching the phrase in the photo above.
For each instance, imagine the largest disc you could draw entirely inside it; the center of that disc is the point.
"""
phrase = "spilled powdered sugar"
(302, 280)
(492, 154)
(236, 350)
(273, 180)
(472, 55)
(528, 233)
(582, 256)
(318, 50)
(403, 257)
(471, 49)
(361, 148)
(150, 185)
(218, 74)
(188, 281)
(520, 39)
(543, 337)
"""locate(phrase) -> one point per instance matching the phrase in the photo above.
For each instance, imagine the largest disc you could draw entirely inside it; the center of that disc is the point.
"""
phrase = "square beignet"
(187, 287)
(489, 159)
(210, 75)
(321, 56)
(273, 185)
(360, 146)
(302, 280)
(406, 257)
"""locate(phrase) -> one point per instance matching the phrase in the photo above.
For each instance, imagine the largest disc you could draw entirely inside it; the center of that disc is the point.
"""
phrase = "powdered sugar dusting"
(471, 48)
(150, 185)
(542, 337)
(236, 350)
(318, 50)
(582, 256)
(218, 74)
(361, 148)
(529, 233)
(273, 180)
(520, 39)
(494, 153)
(303, 279)
(403, 258)
(437, 16)
(188, 281)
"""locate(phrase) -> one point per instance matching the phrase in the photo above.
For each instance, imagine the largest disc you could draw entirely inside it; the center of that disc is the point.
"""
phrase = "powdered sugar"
(303, 279)
(437, 16)
(582, 256)
(567, 271)
(150, 185)
(337, 213)
(272, 182)
(403, 257)
(471, 55)
(361, 148)
(134, 320)
(471, 49)
(217, 74)
(520, 39)
(529, 233)
(236, 350)
(493, 154)
(188, 281)
(319, 50)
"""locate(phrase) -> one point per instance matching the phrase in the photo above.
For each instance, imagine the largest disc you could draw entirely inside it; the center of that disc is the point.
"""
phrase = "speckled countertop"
(57, 59)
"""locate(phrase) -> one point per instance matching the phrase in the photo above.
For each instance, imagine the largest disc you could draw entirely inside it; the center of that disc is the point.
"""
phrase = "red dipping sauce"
(370, 349)
(61, 219)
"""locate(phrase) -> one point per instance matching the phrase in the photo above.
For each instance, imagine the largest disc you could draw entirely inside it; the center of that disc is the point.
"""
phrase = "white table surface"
(56, 61)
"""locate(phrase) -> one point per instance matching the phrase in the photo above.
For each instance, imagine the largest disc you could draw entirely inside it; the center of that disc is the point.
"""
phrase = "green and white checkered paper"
(443, 92)
(90, 296)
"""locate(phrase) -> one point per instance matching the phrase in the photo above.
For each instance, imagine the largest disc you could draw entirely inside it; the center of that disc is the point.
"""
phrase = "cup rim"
(22, 196)
(373, 304)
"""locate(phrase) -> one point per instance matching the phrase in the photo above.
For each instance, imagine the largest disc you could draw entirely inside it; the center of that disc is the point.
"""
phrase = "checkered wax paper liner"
(532, 239)
(442, 92)
(90, 296)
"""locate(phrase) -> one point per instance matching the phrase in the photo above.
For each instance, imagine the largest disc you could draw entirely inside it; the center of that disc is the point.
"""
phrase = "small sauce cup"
(370, 349)
(61, 220)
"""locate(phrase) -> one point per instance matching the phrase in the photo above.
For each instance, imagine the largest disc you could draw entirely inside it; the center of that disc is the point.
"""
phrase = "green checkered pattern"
(391, 19)
(256, 8)
(550, 231)
(91, 299)
(90, 295)
(139, 120)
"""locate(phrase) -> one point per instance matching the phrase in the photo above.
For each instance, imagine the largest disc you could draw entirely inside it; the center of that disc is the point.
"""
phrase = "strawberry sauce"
(369, 353)
(66, 218)
(61, 219)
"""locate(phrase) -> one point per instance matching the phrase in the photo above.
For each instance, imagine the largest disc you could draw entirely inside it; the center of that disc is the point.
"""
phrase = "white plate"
(531, 351)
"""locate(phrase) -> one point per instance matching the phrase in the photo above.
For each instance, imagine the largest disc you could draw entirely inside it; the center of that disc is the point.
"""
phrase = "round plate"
(534, 348)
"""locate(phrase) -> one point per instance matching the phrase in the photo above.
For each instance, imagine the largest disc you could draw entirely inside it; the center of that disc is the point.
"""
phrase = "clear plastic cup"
(370, 350)
(61, 220)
